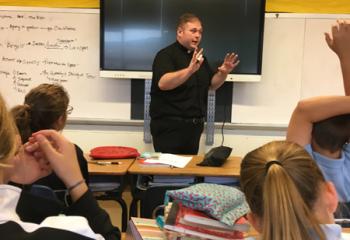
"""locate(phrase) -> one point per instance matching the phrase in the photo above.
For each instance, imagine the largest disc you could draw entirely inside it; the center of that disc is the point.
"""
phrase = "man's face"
(190, 34)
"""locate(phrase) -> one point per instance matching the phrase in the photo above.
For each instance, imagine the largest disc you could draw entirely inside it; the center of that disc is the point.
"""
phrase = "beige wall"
(241, 139)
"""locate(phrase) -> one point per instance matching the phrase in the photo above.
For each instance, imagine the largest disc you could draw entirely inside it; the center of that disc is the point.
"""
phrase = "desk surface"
(231, 168)
(148, 228)
(253, 233)
(120, 169)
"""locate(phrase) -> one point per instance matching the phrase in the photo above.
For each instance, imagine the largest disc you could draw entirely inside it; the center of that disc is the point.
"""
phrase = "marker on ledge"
(107, 163)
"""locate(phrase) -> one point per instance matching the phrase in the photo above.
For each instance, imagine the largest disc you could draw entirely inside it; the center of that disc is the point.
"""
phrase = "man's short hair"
(185, 18)
(332, 133)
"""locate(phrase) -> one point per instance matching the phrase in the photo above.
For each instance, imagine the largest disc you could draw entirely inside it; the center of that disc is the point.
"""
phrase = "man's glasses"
(69, 109)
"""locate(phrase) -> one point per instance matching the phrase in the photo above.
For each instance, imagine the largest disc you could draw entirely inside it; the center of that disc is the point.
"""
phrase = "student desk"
(231, 168)
(107, 174)
(252, 233)
(109, 170)
(148, 229)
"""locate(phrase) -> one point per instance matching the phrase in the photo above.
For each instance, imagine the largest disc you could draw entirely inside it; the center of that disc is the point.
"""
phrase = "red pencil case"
(113, 152)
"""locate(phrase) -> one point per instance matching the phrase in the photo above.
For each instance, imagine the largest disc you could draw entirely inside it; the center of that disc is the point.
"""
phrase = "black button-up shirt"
(187, 100)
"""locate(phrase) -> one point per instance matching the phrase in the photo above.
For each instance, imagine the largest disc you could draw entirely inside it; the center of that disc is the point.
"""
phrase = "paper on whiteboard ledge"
(170, 159)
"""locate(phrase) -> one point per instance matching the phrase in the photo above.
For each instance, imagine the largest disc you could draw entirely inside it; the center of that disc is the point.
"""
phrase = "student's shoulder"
(21, 230)
(308, 148)
(346, 150)
(77, 148)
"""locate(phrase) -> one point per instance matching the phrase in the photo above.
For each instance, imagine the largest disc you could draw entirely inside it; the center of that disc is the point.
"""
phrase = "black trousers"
(177, 136)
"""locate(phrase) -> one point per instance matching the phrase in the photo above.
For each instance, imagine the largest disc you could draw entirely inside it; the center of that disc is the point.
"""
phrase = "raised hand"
(197, 60)
(230, 62)
(339, 39)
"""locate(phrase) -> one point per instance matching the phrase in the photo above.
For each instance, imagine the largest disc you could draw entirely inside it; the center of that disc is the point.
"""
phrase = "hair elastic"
(75, 185)
(269, 163)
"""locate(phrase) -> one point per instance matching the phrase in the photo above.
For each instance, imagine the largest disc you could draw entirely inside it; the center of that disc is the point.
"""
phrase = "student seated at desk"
(46, 107)
(322, 124)
(46, 151)
(287, 194)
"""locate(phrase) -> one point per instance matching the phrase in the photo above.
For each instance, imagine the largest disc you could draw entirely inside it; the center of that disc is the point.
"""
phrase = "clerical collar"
(183, 48)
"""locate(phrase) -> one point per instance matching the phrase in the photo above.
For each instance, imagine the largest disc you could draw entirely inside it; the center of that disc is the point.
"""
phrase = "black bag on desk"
(342, 214)
(216, 156)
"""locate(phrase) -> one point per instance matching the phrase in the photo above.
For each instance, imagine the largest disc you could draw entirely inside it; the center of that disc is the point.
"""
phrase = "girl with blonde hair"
(287, 194)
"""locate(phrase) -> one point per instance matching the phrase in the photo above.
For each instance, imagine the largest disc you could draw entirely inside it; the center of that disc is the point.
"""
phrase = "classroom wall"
(241, 138)
(294, 6)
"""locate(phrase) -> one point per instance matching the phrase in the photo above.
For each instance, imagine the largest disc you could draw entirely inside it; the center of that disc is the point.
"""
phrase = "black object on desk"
(216, 157)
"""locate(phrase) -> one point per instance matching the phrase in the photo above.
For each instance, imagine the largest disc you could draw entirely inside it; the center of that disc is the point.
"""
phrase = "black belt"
(187, 120)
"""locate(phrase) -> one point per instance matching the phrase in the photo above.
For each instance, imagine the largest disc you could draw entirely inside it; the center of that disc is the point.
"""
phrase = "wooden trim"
(53, 3)
(302, 6)
(291, 6)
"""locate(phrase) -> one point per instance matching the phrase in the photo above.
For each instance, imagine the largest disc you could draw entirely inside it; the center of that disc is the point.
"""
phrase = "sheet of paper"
(153, 161)
(174, 160)
(346, 236)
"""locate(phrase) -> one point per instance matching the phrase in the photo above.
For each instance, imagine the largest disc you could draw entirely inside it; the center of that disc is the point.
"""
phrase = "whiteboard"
(51, 45)
(321, 72)
(297, 64)
(48, 45)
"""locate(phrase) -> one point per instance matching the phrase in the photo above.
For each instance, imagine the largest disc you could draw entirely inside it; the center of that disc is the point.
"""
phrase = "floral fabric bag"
(223, 203)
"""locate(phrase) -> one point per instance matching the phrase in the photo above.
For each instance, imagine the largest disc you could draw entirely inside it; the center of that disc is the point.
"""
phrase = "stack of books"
(146, 181)
(161, 180)
(144, 229)
(190, 222)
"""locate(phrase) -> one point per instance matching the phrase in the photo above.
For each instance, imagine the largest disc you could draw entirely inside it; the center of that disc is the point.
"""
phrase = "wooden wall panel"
(308, 6)
(53, 3)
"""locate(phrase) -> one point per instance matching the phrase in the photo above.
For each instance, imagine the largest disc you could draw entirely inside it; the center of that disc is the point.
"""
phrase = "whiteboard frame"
(148, 75)
(46, 9)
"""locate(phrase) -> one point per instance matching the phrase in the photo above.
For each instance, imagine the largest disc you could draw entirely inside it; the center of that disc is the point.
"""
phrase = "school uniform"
(335, 170)
(333, 232)
(82, 220)
(56, 184)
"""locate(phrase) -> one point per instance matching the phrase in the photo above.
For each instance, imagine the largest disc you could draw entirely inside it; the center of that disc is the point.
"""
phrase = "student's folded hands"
(59, 153)
(27, 168)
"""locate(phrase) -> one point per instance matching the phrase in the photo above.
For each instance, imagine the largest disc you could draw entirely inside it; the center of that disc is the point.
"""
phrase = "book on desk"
(190, 222)
(144, 229)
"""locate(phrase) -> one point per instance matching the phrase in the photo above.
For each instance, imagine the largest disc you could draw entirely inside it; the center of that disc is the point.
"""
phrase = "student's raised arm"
(312, 110)
(339, 41)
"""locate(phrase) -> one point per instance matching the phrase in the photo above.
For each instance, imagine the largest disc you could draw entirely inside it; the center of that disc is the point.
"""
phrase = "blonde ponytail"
(286, 216)
(282, 183)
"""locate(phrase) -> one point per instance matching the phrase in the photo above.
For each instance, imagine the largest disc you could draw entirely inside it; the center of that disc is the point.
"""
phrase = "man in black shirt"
(181, 80)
